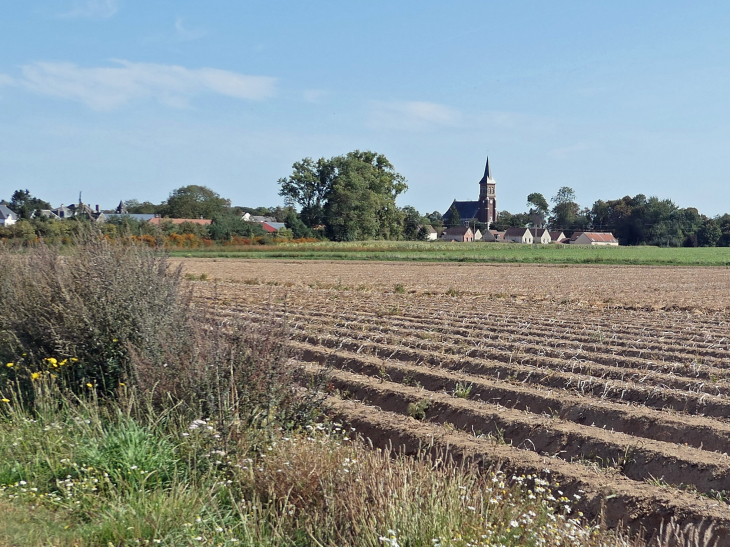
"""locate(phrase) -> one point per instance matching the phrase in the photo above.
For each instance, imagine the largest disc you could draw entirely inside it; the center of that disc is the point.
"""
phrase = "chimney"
(97, 208)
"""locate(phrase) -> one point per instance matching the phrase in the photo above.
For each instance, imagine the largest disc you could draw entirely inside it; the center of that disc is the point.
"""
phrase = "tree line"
(352, 197)
(638, 220)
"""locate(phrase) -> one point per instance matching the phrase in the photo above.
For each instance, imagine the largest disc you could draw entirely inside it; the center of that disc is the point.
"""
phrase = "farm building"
(431, 233)
(484, 209)
(593, 238)
(74, 210)
(488, 236)
(498, 236)
(248, 217)
(7, 217)
(540, 235)
(272, 227)
(458, 233)
(557, 237)
(518, 235)
(477, 234)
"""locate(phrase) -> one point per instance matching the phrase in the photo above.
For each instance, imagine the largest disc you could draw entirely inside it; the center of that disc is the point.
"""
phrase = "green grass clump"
(84, 472)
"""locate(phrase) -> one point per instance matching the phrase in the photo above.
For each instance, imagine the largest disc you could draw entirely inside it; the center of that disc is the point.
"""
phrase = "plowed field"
(615, 380)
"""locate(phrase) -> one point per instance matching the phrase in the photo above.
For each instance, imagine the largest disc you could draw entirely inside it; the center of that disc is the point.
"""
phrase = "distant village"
(329, 211)
(483, 212)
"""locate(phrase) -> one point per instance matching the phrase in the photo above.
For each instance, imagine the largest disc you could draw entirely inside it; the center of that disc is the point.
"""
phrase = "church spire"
(487, 174)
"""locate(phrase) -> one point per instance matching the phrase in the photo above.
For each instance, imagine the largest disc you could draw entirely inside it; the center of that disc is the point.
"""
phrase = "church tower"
(487, 198)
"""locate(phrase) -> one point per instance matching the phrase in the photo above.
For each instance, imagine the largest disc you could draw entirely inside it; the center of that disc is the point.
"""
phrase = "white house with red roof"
(593, 238)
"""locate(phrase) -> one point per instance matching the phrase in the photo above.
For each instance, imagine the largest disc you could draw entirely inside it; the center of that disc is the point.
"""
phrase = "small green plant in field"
(392, 310)
(418, 410)
(453, 292)
(597, 336)
(383, 375)
(193, 277)
(399, 289)
(463, 390)
(410, 378)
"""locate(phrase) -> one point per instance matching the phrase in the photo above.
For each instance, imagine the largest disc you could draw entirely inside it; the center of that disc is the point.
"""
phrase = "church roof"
(467, 210)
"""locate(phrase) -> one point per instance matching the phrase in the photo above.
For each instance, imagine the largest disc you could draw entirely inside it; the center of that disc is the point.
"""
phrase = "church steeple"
(487, 197)
(487, 174)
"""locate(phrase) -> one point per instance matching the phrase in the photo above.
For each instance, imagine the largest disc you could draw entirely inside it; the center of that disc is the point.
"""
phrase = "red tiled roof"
(602, 237)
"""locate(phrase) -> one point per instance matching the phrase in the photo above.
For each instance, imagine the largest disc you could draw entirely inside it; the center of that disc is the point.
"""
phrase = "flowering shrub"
(95, 307)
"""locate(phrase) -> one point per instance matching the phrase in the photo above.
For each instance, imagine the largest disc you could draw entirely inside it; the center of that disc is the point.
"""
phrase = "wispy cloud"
(185, 33)
(413, 115)
(108, 88)
(562, 153)
(91, 9)
(314, 95)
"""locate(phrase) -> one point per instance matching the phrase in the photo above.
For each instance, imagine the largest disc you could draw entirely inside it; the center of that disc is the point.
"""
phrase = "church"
(484, 209)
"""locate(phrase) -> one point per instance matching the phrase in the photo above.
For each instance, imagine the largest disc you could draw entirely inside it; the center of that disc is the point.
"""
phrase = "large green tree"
(133, 206)
(308, 187)
(454, 216)
(195, 202)
(538, 204)
(24, 204)
(361, 202)
(352, 195)
(565, 210)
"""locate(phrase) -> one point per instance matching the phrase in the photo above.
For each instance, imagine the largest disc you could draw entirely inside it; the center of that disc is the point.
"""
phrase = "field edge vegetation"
(472, 252)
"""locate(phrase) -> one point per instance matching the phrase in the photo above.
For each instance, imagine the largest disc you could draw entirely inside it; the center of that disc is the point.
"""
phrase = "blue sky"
(128, 99)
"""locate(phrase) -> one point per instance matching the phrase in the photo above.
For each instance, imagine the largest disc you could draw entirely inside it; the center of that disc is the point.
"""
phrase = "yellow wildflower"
(35, 375)
(51, 360)
(5, 400)
(122, 384)
(10, 365)
(89, 384)
(115, 340)
(74, 359)
(63, 362)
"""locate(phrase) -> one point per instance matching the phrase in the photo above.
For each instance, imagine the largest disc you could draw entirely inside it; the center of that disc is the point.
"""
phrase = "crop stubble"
(616, 379)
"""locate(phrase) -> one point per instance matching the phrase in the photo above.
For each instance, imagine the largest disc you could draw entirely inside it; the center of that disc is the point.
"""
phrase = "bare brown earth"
(615, 379)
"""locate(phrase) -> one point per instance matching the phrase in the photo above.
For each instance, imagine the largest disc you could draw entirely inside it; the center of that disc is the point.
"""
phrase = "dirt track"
(616, 378)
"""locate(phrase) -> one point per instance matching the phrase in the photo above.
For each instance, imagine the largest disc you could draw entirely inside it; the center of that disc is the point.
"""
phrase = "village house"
(431, 233)
(518, 235)
(7, 217)
(75, 210)
(458, 233)
(272, 227)
(593, 238)
(498, 236)
(248, 217)
(477, 234)
(540, 235)
(488, 236)
(557, 237)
